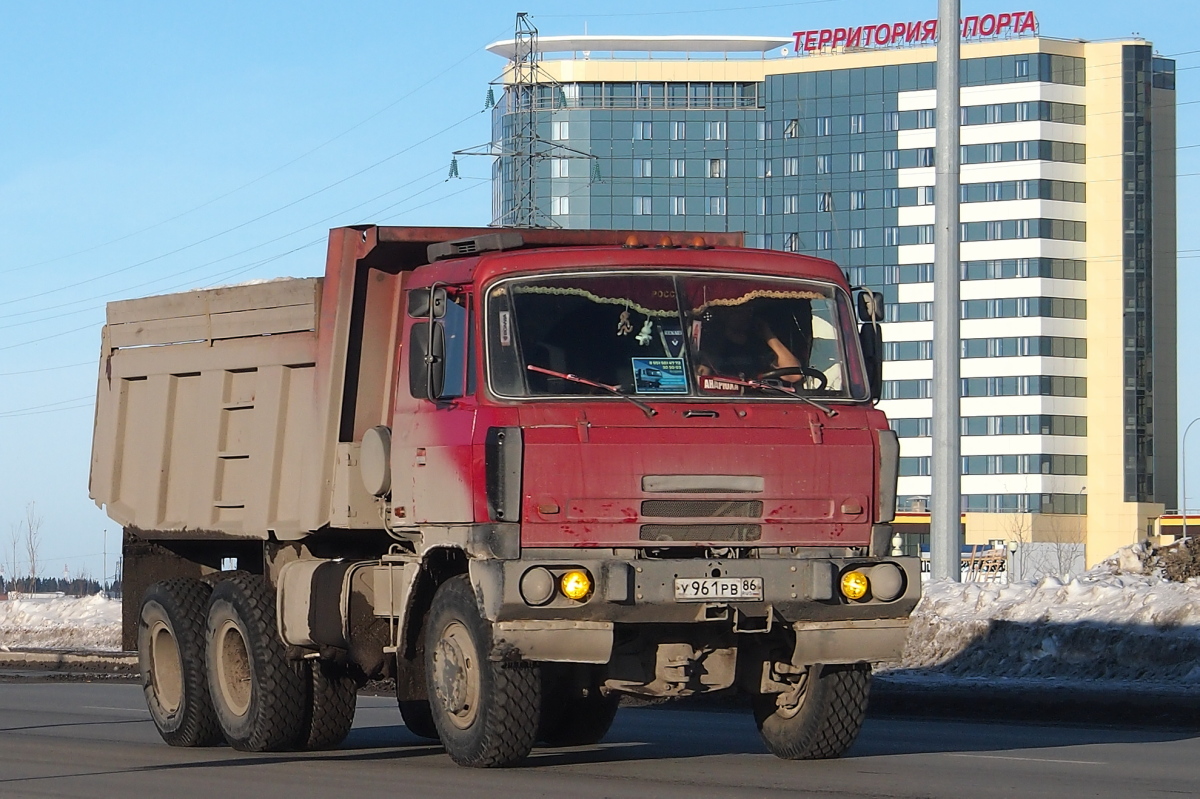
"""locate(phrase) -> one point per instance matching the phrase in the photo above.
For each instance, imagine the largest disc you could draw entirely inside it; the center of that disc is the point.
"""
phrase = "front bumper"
(800, 593)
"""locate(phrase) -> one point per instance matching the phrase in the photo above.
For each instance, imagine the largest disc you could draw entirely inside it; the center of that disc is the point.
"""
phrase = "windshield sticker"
(659, 376)
(710, 383)
(672, 341)
(505, 329)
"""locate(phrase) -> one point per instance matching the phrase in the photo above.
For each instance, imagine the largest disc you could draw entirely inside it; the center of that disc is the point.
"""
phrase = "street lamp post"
(1183, 469)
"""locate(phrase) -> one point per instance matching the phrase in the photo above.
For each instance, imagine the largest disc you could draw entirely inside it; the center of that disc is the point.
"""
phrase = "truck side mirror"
(870, 306)
(437, 360)
(427, 360)
(871, 339)
(422, 301)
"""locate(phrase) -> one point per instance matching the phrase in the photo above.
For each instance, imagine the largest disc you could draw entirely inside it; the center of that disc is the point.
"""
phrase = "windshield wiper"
(646, 409)
(790, 392)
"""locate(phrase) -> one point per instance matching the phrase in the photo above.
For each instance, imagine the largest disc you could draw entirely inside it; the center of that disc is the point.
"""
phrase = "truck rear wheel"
(259, 695)
(826, 719)
(171, 661)
(486, 713)
(332, 701)
(574, 711)
(418, 718)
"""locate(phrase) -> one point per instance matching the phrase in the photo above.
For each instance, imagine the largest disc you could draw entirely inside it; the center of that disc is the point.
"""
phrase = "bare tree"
(33, 540)
(1066, 545)
(13, 551)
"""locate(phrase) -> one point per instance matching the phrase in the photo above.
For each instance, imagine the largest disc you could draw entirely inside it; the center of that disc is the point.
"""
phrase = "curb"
(48, 660)
(1103, 704)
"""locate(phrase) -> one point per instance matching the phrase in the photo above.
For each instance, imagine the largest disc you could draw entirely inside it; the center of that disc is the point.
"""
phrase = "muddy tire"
(331, 703)
(574, 711)
(827, 719)
(418, 718)
(486, 713)
(171, 661)
(260, 697)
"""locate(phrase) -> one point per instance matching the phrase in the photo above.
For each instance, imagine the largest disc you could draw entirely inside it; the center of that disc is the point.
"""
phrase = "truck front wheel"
(260, 696)
(825, 719)
(171, 661)
(486, 713)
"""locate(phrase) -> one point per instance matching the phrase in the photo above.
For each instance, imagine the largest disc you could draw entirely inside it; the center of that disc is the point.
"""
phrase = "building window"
(926, 118)
(891, 120)
(891, 236)
(1022, 67)
(891, 198)
(891, 159)
(716, 206)
(791, 242)
(641, 206)
(858, 238)
(791, 203)
(560, 206)
(925, 156)
(678, 206)
(791, 166)
(643, 131)
(558, 167)
(858, 200)
(824, 164)
(716, 167)
(824, 240)
(924, 195)
(765, 206)
(858, 123)
(825, 201)
(714, 131)
(764, 133)
(678, 130)
(791, 128)
(644, 167)
(824, 126)
(560, 130)
(764, 167)
(858, 162)
(678, 167)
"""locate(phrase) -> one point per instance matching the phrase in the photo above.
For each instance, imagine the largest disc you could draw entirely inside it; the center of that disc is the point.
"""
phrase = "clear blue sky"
(154, 147)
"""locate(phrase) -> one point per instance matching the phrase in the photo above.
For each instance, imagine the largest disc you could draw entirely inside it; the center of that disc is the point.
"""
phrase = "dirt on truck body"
(521, 472)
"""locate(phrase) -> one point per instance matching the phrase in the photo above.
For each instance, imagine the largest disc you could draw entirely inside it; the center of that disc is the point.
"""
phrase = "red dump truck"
(521, 472)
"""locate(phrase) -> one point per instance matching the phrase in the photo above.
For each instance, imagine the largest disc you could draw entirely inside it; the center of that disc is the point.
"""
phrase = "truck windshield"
(663, 335)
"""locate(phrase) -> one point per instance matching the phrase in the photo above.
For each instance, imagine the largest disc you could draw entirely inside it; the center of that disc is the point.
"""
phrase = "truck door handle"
(701, 414)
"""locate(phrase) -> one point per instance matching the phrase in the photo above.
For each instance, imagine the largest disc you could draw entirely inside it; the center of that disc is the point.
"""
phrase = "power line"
(241, 225)
(263, 176)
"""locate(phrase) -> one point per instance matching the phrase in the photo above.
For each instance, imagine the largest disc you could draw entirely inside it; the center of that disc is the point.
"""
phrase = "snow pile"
(92, 622)
(1119, 621)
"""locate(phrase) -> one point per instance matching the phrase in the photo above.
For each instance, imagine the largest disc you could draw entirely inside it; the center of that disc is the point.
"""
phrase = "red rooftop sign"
(900, 33)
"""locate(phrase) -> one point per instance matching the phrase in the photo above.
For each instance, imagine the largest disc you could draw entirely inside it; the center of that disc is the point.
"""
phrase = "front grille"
(700, 532)
(698, 508)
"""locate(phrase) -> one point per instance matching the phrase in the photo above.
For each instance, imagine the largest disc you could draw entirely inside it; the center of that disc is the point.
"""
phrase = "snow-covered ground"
(1118, 621)
(91, 622)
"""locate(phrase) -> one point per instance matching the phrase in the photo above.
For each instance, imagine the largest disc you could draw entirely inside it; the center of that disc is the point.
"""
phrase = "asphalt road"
(96, 740)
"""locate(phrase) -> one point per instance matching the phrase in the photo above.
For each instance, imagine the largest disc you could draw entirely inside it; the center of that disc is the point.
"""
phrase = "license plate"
(716, 589)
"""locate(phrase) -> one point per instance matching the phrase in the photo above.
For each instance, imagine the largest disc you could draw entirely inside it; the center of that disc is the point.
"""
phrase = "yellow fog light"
(855, 585)
(576, 585)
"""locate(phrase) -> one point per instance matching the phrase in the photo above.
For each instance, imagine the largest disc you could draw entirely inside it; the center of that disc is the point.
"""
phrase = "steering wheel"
(788, 371)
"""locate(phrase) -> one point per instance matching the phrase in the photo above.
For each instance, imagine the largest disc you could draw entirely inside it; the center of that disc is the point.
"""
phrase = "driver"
(742, 344)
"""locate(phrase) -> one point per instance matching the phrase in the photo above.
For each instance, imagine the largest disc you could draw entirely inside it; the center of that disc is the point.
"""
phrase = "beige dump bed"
(205, 412)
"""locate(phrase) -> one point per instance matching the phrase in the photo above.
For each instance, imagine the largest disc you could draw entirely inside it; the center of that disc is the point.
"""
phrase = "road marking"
(1033, 759)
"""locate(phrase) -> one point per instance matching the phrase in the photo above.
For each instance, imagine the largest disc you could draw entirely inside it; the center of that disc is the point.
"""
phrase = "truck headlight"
(855, 585)
(576, 584)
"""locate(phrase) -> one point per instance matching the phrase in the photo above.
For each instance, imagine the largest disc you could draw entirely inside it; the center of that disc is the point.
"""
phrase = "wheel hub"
(456, 675)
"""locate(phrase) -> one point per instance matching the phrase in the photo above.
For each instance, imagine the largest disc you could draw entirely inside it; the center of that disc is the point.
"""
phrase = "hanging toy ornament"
(647, 333)
(624, 326)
